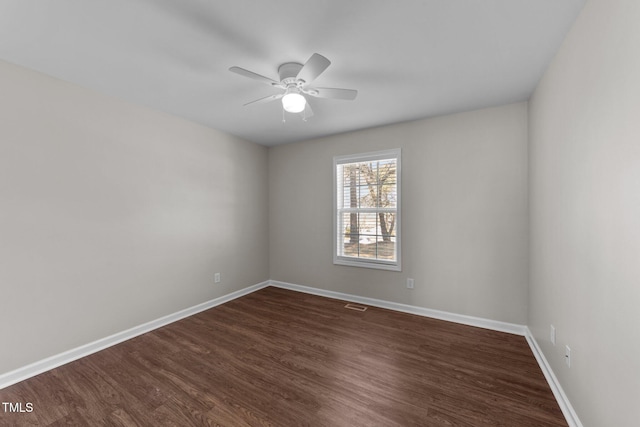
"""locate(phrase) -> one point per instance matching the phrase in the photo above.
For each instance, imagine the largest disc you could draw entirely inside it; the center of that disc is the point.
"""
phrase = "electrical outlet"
(409, 283)
(552, 335)
(567, 355)
(216, 278)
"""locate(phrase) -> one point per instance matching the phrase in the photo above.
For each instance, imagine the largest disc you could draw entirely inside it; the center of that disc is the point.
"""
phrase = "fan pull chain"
(283, 120)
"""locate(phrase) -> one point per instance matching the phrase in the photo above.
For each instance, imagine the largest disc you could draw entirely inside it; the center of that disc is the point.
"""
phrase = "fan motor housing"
(288, 71)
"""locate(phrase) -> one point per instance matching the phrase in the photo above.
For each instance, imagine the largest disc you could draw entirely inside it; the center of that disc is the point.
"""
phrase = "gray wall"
(112, 215)
(585, 213)
(464, 213)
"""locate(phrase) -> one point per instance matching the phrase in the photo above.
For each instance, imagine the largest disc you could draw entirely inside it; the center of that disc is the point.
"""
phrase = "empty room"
(320, 213)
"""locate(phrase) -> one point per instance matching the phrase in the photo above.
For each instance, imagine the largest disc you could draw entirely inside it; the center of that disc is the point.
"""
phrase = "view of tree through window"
(367, 193)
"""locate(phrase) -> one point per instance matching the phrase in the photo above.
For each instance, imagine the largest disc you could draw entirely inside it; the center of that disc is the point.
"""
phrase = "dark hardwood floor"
(283, 358)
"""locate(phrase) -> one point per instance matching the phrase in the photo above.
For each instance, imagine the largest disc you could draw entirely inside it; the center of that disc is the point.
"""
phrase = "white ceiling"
(408, 59)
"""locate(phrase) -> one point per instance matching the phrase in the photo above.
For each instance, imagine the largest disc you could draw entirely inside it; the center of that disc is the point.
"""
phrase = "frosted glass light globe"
(293, 102)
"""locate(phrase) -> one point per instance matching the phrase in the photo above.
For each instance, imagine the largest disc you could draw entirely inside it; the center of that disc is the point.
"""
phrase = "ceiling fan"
(295, 80)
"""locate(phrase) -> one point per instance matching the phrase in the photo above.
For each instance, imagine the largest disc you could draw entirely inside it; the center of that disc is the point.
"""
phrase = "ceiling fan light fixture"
(295, 81)
(293, 101)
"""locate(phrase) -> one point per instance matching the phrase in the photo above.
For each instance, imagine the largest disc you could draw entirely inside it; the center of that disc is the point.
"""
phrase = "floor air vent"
(356, 307)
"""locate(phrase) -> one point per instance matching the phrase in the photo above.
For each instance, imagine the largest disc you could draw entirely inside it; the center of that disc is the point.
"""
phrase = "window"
(367, 210)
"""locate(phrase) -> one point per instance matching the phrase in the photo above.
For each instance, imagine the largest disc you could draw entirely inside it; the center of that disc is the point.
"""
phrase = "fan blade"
(265, 99)
(308, 112)
(332, 92)
(254, 76)
(313, 68)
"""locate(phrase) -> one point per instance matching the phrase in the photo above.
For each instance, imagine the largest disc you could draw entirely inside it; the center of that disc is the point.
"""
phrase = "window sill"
(367, 264)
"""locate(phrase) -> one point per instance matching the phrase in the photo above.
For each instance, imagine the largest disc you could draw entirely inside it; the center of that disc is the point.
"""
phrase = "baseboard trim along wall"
(495, 325)
(556, 388)
(512, 328)
(52, 362)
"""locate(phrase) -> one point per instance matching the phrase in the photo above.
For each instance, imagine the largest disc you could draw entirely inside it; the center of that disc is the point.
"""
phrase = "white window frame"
(337, 232)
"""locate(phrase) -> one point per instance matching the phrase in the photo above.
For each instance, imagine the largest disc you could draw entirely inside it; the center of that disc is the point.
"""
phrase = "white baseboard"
(33, 369)
(495, 325)
(52, 362)
(561, 397)
(556, 388)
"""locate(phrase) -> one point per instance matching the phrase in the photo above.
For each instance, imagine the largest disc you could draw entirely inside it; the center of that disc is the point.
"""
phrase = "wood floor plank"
(282, 358)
